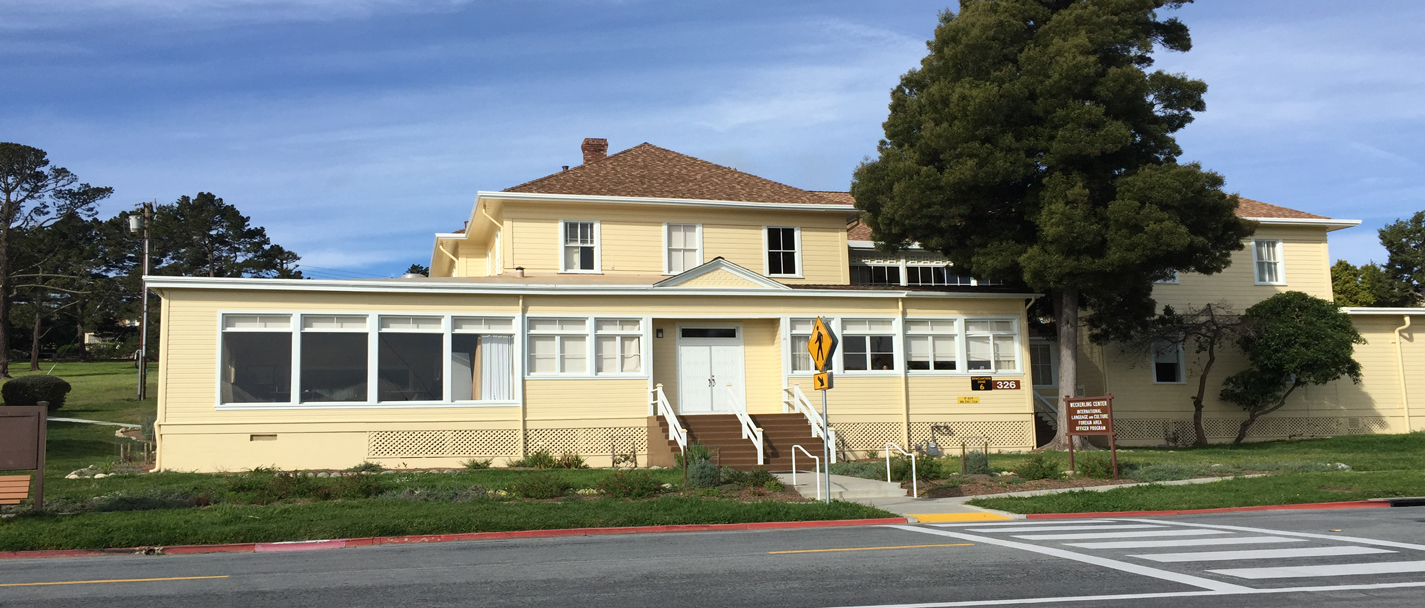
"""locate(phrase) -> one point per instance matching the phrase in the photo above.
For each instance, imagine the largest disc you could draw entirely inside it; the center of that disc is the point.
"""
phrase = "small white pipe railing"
(816, 468)
(794, 399)
(676, 432)
(749, 430)
(914, 489)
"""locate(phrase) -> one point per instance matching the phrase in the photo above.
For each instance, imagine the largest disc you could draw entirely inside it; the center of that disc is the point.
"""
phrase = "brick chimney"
(595, 149)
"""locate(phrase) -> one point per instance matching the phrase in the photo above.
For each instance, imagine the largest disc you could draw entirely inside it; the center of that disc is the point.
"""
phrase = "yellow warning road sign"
(821, 345)
(821, 381)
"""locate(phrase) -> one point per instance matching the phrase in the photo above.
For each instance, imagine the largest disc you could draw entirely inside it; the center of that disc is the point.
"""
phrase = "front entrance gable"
(720, 274)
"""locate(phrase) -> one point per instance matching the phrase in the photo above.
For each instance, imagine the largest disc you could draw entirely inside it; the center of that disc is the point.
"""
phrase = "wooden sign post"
(1091, 416)
(22, 448)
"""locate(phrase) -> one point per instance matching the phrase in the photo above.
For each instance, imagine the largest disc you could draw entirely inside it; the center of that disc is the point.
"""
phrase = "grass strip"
(1281, 489)
(362, 518)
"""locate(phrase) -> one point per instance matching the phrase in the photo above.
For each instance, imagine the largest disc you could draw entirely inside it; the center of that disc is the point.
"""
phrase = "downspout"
(905, 376)
(524, 397)
(1400, 362)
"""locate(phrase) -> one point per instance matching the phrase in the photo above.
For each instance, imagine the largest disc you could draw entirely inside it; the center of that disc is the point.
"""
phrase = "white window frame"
(1053, 362)
(443, 330)
(958, 348)
(1279, 251)
(897, 346)
(292, 326)
(767, 266)
(1019, 353)
(1182, 364)
(791, 349)
(668, 250)
(559, 335)
(598, 247)
(372, 330)
(516, 353)
(618, 336)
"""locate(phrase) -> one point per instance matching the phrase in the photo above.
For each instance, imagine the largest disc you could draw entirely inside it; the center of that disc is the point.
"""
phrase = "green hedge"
(31, 390)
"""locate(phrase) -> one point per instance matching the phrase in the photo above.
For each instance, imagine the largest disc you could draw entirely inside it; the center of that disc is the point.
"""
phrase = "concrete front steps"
(723, 432)
(844, 487)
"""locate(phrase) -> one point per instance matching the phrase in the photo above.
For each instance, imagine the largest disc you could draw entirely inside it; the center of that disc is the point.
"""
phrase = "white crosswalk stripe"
(1141, 534)
(1210, 556)
(1009, 529)
(1187, 542)
(1326, 570)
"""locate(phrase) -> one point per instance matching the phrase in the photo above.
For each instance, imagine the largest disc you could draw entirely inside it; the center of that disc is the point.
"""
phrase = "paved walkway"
(891, 497)
(105, 423)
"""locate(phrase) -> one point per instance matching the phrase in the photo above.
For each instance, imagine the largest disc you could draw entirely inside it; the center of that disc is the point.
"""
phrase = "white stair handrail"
(816, 469)
(676, 432)
(914, 489)
(795, 399)
(749, 430)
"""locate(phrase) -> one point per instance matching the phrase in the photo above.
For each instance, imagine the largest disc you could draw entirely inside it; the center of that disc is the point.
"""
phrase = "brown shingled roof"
(647, 170)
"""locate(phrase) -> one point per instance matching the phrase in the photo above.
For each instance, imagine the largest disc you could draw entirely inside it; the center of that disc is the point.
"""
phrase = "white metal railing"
(914, 489)
(795, 400)
(749, 430)
(816, 469)
(676, 432)
(1045, 402)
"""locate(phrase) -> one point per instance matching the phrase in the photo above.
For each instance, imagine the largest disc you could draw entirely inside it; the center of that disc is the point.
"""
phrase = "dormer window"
(581, 247)
(783, 251)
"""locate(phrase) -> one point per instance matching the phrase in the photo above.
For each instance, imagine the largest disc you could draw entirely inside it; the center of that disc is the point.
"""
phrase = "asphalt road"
(1363, 557)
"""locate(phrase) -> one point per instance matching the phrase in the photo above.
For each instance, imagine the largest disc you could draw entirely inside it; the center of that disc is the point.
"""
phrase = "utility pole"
(140, 224)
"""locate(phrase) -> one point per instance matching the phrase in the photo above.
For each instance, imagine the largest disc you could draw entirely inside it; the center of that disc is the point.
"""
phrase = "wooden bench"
(14, 488)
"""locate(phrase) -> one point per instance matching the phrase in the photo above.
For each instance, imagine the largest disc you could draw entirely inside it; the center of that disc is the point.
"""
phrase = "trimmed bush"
(977, 463)
(703, 474)
(1040, 466)
(541, 459)
(541, 485)
(629, 484)
(31, 390)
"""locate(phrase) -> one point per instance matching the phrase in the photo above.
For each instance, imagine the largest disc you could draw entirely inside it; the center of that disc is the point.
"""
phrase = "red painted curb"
(340, 543)
(1354, 504)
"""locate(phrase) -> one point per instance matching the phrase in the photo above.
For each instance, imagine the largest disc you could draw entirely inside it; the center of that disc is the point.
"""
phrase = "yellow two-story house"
(646, 300)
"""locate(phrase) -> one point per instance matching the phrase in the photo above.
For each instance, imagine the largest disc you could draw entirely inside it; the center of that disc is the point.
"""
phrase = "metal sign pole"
(826, 447)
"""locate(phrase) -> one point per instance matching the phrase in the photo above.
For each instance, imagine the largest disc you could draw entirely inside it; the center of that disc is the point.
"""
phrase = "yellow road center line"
(116, 580)
(869, 548)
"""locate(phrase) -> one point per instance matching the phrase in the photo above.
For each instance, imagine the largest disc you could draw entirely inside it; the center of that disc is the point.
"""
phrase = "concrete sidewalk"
(892, 497)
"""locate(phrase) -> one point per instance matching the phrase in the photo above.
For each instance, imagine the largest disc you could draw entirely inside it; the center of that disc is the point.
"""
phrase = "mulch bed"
(980, 485)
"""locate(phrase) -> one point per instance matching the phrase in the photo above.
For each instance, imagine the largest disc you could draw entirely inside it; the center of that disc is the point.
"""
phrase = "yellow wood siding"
(720, 278)
(1306, 262)
(631, 237)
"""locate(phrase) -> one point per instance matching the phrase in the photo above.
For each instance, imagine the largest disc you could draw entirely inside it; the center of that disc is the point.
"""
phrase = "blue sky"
(354, 129)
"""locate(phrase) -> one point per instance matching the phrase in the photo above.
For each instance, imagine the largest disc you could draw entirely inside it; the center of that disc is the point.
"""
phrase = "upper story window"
(685, 247)
(992, 345)
(930, 344)
(783, 251)
(1267, 258)
(868, 344)
(875, 274)
(581, 247)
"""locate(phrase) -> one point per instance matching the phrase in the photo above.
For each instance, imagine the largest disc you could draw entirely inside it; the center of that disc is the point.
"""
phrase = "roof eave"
(1330, 224)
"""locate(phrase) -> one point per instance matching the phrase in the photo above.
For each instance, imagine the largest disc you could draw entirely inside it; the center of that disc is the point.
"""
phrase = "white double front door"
(710, 372)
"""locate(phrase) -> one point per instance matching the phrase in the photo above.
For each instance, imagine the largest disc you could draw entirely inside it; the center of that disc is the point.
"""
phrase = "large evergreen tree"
(1404, 241)
(204, 236)
(1034, 145)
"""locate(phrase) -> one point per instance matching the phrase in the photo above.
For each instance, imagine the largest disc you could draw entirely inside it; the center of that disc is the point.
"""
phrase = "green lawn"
(101, 390)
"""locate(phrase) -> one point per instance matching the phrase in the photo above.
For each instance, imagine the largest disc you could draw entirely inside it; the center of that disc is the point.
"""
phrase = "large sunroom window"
(334, 360)
(256, 359)
(410, 359)
(482, 361)
(800, 331)
(618, 346)
(559, 346)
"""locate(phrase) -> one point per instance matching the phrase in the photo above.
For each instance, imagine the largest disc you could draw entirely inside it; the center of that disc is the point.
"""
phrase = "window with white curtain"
(800, 330)
(559, 346)
(1267, 258)
(684, 247)
(868, 344)
(618, 346)
(930, 344)
(991, 345)
(482, 361)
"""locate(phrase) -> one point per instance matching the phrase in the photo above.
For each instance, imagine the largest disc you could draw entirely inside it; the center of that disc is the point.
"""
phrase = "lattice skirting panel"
(861, 436)
(1001, 433)
(1170, 430)
(599, 440)
(443, 443)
